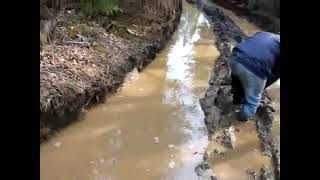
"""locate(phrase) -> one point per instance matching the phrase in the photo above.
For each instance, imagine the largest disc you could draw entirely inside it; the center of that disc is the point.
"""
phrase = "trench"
(154, 128)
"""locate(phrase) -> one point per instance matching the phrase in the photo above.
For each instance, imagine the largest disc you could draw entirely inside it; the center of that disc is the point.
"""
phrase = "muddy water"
(229, 164)
(153, 127)
(248, 28)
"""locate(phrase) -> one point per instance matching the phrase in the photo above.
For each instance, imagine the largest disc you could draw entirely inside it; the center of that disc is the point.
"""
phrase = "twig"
(75, 42)
(78, 42)
(122, 52)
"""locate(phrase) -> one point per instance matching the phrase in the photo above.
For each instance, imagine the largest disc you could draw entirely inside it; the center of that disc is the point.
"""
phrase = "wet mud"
(265, 20)
(221, 100)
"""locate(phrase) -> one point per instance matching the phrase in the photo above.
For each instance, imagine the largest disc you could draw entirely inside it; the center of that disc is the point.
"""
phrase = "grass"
(93, 8)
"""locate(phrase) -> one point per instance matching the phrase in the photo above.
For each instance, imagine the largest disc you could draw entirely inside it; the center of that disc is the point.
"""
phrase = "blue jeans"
(253, 87)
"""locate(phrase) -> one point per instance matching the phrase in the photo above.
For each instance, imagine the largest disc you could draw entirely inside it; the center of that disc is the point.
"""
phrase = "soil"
(265, 21)
(220, 102)
(84, 62)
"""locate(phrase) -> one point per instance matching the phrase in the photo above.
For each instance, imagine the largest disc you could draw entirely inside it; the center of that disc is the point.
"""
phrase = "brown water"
(248, 28)
(247, 155)
(153, 127)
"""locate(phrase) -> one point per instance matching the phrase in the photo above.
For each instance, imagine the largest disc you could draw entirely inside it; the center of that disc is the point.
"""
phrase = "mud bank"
(220, 100)
(76, 73)
(265, 19)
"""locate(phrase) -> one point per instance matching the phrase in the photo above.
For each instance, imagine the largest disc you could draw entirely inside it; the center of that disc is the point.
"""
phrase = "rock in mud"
(229, 137)
(266, 173)
(204, 172)
(57, 144)
(224, 100)
(218, 152)
(252, 173)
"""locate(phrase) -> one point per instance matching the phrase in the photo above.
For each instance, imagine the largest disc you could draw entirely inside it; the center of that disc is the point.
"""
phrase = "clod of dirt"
(218, 152)
(224, 99)
(252, 173)
(204, 172)
(266, 173)
(229, 137)
(57, 144)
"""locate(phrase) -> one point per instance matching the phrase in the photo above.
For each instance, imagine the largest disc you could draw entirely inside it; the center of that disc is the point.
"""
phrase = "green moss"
(57, 36)
(88, 31)
(100, 7)
(99, 48)
(72, 32)
(79, 17)
(43, 39)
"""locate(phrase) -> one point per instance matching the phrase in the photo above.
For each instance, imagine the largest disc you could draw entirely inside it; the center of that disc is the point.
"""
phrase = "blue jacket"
(261, 55)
